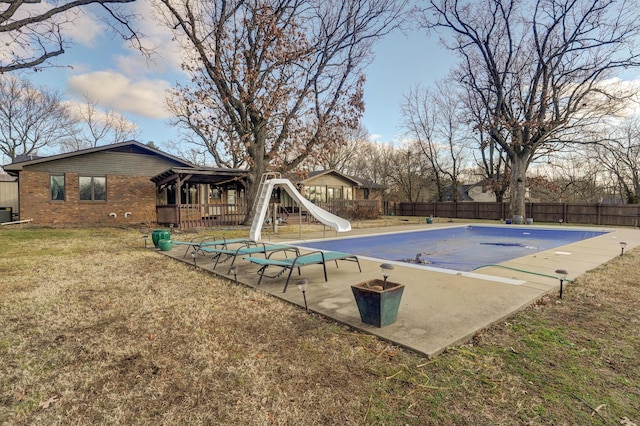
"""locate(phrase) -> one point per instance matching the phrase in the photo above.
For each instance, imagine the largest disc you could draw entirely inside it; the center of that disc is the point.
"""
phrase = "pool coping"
(439, 309)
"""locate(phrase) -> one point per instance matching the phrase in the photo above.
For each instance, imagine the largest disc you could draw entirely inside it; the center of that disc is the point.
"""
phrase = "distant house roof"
(463, 192)
(26, 157)
(357, 181)
(129, 147)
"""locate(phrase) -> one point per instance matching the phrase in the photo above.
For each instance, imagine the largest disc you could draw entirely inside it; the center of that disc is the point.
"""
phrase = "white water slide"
(329, 219)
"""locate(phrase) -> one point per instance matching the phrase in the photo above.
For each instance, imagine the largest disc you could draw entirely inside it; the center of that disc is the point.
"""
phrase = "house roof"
(357, 181)
(129, 146)
(196, 174)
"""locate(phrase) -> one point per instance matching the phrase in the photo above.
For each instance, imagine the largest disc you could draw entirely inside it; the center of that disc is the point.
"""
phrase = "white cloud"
(84, 28)
(157, 38)
(144, 97)
(375, 137)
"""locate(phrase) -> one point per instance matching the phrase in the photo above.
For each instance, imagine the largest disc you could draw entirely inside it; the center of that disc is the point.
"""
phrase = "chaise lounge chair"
(250, 248)
(312, 258)
(209, 242)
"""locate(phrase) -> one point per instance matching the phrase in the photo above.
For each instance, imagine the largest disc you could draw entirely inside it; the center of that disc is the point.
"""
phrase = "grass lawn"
(96, 329)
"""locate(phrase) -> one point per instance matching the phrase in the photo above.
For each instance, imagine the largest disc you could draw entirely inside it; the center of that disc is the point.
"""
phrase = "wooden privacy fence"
(584, 214)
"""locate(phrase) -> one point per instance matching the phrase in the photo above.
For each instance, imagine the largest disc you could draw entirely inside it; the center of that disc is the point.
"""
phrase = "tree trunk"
(259, 167)
(518, 183)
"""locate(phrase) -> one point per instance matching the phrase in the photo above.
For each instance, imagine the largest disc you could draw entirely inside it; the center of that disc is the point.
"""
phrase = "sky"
(101, 66)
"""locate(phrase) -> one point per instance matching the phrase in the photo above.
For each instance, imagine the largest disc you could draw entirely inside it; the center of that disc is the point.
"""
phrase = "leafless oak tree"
(539, 67)
(274, 77)
(31, 118)
(32, 31)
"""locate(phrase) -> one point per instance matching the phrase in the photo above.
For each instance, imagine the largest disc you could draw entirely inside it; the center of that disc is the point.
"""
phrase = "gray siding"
(9, 195)
(108, 163)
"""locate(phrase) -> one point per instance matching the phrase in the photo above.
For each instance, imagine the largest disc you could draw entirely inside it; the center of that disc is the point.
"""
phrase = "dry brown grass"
(95, 329)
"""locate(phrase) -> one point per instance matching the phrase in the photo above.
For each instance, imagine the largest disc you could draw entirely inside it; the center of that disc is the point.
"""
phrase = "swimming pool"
(463, 248)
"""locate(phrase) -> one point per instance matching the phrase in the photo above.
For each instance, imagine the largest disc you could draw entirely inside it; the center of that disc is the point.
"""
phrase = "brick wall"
(134, 194)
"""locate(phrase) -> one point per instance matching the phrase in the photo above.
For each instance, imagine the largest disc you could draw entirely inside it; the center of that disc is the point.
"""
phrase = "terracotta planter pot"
(378, 306)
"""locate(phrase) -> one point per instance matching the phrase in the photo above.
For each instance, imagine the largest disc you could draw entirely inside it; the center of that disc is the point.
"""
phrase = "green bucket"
(160, 234)
(165, 245)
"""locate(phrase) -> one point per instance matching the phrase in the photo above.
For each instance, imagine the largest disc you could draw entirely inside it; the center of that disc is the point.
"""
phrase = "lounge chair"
(312, 258)
(208, 242)
(250, 248)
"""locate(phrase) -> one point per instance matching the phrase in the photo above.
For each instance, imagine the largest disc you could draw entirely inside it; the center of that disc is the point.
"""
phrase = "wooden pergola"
(200, 197)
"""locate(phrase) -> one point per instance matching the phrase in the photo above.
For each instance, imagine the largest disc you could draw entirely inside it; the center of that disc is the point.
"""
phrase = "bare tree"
(32, 31)
(98, 127)
(278, 75)
(569, 177)
(344, 156)
(433, 119)
(490, 158)
(539, 68)
(619, 154)
(409, 173)
(31, 118)
(203, 127)
(371, 161)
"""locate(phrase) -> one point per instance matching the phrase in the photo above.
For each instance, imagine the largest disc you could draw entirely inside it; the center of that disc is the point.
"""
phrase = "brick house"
(105, 185)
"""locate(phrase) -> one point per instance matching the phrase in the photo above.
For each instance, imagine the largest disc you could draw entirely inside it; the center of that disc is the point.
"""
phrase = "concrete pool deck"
(438, 309)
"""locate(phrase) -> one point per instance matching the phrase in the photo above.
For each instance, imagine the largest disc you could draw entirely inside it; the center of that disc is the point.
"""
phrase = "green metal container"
(160, 234)
(378, 307)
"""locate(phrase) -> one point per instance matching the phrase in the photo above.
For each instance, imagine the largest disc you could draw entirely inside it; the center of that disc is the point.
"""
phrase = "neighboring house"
(9, 206)
(480, 193)
(109, 184)
(477, 192)
(326, 185)
(336, 192)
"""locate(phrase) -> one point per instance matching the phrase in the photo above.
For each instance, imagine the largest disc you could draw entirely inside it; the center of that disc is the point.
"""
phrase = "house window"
(57, 187)
(317, 194)
(214, 193)
(348, 193)
(93, 188)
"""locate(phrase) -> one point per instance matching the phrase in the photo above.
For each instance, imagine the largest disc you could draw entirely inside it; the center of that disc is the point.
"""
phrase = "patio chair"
(312, 258)
(197, 246)
(222, 255)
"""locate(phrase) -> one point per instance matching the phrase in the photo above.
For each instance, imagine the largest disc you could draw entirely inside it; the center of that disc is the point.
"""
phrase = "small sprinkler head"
(234, 271)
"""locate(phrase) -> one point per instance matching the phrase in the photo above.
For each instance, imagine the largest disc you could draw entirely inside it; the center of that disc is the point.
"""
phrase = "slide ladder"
(261, 205)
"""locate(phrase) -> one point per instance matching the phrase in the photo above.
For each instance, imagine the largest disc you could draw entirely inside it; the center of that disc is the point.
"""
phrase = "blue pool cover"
(458, 248)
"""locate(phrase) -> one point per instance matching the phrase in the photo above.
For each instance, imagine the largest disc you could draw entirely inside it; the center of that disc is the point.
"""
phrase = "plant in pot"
(378, 300)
